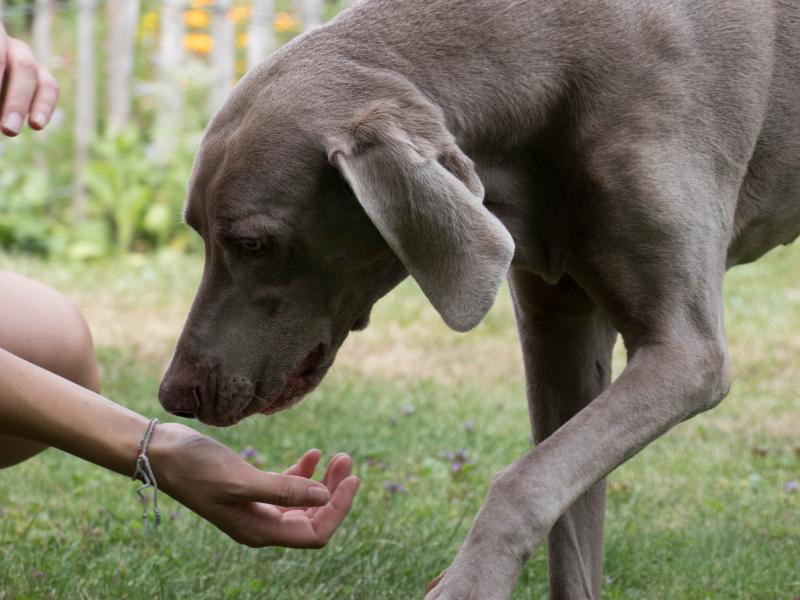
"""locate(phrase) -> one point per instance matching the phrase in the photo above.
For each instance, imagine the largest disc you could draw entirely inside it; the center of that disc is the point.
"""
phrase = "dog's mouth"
(301, 381)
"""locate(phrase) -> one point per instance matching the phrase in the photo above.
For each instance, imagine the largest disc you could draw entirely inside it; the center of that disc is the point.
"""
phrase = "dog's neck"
(496, 100)
(456, 53)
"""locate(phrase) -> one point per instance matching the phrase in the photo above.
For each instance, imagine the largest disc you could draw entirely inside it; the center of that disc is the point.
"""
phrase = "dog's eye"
(254, 245)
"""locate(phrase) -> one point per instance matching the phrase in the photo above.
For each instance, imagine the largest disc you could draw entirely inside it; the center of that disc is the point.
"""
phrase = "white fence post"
(223, 54)
(123, 17)
(85, 118)
(312, 14)
(260, 38)
(42, 32)
(168, 120)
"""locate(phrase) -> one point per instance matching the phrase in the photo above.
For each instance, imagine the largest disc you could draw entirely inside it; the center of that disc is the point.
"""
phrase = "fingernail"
(13, 122)
(319, 494)
(40, 119)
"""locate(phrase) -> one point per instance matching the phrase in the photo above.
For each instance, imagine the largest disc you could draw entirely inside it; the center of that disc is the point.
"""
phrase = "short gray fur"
(626, 154)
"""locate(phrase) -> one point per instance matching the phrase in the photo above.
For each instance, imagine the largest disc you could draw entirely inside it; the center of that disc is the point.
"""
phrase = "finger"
(262, 528)
(3, 53)
(22, 76)
(306, 466)
(328, 518)
(293, 529)
(44, 100)
(339, 468)
(283, 490)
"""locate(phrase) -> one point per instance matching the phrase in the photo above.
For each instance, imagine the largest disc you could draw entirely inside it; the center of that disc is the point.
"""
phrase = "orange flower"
(199, 43)
(285, 22)
(239, 13)
(196, 18)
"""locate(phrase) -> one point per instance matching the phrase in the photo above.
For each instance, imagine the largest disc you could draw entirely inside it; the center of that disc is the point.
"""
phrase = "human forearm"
(41, 406)
(202, 474)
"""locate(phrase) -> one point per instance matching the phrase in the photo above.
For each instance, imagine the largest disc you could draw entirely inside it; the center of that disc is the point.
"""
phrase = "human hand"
(27, 89)
(253, 507)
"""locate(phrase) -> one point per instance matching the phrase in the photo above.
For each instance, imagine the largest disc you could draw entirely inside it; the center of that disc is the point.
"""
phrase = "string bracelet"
(144, 473)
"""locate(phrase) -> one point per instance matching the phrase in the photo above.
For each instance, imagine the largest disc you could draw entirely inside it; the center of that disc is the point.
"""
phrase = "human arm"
(204, 475)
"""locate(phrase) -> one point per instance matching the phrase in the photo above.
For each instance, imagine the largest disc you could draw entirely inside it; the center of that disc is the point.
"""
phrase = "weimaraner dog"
(611, 157)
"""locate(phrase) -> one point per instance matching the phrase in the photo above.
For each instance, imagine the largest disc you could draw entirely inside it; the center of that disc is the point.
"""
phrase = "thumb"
(283, 490)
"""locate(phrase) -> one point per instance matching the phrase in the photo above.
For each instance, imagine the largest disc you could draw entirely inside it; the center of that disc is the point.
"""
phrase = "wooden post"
(85, 118)
(42, 31)
(223, 54)
(168, 120)
(123, 17)
(261, 39)
(312, 14)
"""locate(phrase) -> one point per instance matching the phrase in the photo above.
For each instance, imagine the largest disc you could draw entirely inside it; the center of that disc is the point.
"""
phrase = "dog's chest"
(767, 216)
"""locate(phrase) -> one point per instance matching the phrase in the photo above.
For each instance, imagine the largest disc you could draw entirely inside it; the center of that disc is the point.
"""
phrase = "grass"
(702, 513)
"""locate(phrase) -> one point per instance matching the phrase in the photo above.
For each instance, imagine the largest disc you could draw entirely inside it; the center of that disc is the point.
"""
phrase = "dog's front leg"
(567, 345)
(668, 379)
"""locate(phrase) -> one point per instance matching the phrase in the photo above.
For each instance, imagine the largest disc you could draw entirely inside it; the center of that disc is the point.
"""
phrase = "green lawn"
(705, 512)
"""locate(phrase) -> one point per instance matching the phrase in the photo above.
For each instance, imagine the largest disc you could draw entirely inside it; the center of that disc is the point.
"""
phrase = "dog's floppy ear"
(424, 197)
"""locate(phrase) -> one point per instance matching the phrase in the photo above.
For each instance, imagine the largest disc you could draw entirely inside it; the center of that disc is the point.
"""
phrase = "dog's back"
(724, 72)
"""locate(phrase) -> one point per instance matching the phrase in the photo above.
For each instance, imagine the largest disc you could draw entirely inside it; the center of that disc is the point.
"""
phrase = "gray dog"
(612, 158)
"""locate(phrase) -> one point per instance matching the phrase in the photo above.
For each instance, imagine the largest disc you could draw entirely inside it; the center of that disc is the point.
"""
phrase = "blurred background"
(91, 206)
(139, 80)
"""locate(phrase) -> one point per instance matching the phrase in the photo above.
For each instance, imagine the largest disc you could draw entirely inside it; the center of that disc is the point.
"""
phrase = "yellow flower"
(199, 43)
(239, 14)
(241, 39)
(149, 22)
(285, 22)
(241, 67)
(196, 18)
(201, 3)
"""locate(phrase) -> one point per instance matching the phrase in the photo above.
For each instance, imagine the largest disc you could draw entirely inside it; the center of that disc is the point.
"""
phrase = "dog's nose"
(178, 400)
(185, 415)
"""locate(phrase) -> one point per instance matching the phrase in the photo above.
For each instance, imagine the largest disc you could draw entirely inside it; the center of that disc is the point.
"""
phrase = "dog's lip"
(301, 381)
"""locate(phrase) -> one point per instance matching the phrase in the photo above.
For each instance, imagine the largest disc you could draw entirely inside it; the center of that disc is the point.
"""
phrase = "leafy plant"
(133, 201)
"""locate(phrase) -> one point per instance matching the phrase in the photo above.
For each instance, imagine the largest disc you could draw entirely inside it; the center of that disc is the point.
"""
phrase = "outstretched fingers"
(283, 490)
(256, 516)
(265, 525)
(306, 466)
(326, 519)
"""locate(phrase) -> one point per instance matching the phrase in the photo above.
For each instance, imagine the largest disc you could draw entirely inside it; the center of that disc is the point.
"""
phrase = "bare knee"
(77, 361)
(42, 326)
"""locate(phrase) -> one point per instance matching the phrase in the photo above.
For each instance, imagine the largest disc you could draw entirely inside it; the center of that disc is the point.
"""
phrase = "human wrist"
(166, 448)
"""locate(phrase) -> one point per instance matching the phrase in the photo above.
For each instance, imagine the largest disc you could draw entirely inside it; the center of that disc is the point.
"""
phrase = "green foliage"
(33, 197)
(137, 199)
(133, 202)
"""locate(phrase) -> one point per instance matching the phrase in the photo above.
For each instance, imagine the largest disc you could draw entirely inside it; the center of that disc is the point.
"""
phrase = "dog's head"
(312, 206)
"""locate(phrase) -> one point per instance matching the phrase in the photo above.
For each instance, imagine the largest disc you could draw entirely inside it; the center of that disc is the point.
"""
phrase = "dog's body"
(633, 151)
